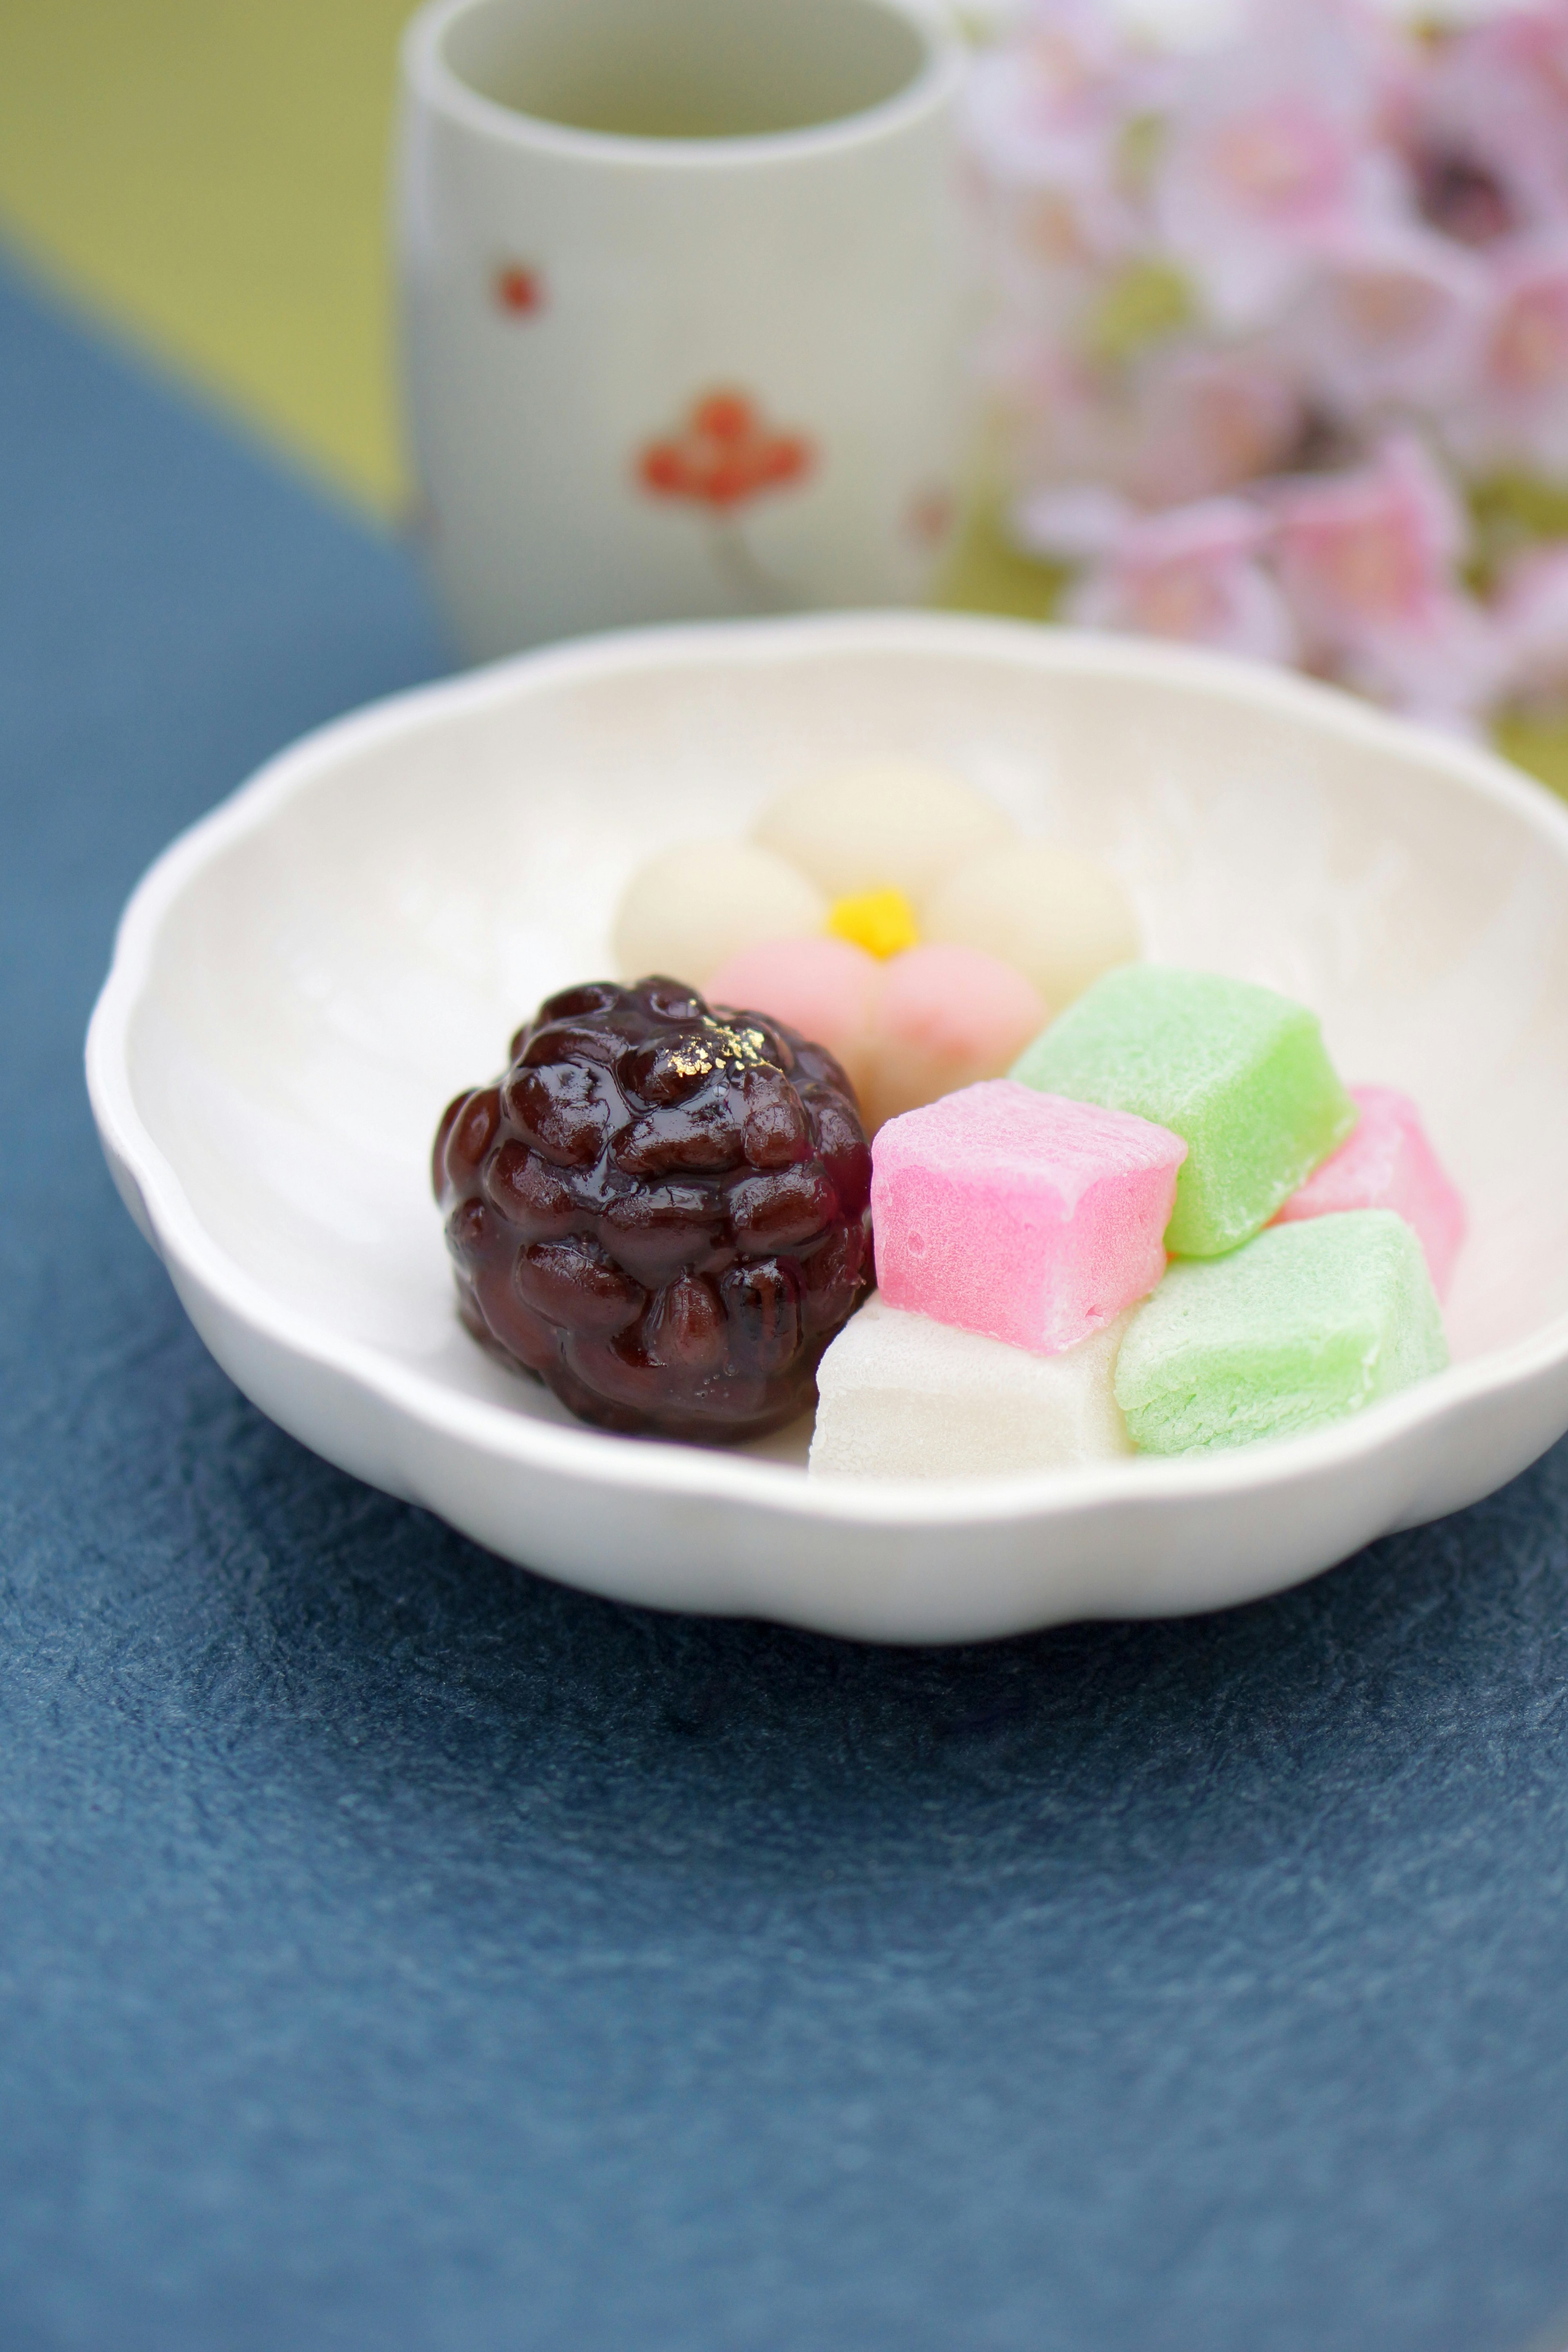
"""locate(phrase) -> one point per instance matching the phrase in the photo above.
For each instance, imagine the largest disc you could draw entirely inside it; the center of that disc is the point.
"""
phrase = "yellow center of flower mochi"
(880, 921)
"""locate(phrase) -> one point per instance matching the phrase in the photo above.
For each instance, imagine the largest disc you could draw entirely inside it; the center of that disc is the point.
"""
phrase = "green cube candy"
(1239, 1073)
(1305, 1324)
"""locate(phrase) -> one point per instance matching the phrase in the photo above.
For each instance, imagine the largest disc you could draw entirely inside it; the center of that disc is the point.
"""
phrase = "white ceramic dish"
(303, 979)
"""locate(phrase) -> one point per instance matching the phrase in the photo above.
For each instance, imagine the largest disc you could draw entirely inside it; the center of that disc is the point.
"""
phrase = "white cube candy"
(900, 1396)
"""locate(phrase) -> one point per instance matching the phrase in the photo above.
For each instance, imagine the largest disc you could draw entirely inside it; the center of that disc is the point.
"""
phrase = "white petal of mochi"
(692, 908)
(901, 1397)
(1058, 917)
(881, 824)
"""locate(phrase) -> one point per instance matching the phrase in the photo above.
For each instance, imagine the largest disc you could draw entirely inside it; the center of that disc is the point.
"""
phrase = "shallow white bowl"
(304, 979)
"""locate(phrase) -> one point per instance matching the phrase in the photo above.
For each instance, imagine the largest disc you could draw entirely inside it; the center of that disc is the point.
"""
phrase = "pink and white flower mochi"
(1387, 1163)
(1021, 1214)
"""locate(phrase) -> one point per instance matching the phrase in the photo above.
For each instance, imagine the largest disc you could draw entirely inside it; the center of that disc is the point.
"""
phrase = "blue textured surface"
(397, 1952)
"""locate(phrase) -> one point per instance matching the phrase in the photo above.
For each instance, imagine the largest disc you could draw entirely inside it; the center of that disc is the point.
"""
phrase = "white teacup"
(681, 303)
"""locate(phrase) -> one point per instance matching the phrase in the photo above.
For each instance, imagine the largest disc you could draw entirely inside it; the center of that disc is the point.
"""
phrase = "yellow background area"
(210, 174)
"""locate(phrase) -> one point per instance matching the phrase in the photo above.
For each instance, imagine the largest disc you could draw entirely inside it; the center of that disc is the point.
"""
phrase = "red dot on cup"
(519, 290)
(932, 516)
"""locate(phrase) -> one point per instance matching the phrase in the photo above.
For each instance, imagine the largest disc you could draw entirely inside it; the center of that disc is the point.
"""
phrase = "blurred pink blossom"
(1060, 231)
(1068, 72)
(1518, 414)
(1079, 524)
(1368, 565)
(1204, 421)
(1191, 424)
(1058, 419)
(1245, 296)
(1532, 617)
(1270, 156)
(1485, 126)
(1192, 573)
(1055, 207)
(1393, 319)
(1047, 112)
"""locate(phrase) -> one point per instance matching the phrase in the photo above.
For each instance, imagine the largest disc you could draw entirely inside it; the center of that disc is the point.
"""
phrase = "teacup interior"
(686, 69)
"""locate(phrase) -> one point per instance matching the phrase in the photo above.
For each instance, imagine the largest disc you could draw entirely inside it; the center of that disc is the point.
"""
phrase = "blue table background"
(398, 1951)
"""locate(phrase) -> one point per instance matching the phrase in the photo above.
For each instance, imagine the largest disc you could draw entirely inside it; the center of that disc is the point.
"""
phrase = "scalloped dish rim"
(153, 1190)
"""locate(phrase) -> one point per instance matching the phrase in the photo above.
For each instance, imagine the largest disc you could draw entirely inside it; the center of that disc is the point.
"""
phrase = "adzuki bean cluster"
(661, 1210)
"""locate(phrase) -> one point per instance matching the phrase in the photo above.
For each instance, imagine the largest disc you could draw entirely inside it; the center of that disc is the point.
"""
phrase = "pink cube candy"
(1021, 1214)
(1386, 1163)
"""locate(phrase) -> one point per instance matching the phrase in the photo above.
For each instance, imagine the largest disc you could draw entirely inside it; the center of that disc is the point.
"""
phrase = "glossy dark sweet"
(661, 1210)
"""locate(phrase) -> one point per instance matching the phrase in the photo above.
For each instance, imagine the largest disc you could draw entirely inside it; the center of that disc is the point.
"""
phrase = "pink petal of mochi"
(823, 988)
(1021, 1214)
(946, 1016)
(1387, 1163)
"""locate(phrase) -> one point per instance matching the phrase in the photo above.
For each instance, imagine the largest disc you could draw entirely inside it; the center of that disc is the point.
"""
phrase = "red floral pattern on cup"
(519, 291)
(723, 453)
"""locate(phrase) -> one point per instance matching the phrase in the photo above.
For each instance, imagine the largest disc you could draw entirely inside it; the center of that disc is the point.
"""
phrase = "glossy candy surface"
(660, 1211)
(825, 988)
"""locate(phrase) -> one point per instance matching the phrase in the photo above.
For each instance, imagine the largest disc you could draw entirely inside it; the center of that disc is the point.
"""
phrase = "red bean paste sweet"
(661, 1210)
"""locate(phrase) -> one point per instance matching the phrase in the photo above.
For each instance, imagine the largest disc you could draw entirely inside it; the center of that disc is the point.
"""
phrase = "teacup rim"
(431, 80)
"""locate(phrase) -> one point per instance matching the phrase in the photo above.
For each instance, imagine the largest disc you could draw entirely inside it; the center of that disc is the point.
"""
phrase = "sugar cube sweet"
(1387, 1163)
(1020, 1215)
(901, 1396)
(1238, 1071)
(1304, 1324)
